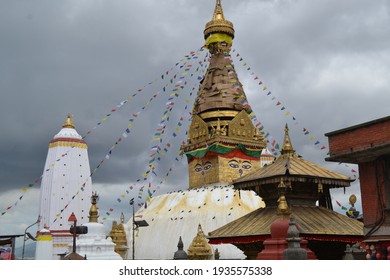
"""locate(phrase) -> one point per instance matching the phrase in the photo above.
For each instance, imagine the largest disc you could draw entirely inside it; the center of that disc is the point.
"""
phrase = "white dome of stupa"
(178, 214)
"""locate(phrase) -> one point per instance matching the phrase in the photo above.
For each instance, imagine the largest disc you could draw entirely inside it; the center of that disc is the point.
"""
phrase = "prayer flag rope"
(317, 144)
(123, 136)
(104, 119)
(158, 153)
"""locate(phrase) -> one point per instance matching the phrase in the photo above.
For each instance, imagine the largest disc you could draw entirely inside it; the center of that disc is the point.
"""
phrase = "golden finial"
(283, 208)
(122, 218)
(287, 147)
(68, 123)
(218, 11)
(218, 23)
(93, 212)
(352, 200)
(281, 185)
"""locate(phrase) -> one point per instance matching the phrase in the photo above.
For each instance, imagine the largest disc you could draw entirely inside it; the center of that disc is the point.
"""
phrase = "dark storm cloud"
(326, 61)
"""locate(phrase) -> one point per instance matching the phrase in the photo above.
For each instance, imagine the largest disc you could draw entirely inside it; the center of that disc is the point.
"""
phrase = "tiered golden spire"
(287, 148)
(68, 123)
(221, 121)
(200, 248)
(118, 236)
(93, 212)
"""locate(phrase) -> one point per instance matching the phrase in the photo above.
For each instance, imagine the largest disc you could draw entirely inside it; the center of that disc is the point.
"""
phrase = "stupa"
(94, 245)
(66, 185)
(222, 145)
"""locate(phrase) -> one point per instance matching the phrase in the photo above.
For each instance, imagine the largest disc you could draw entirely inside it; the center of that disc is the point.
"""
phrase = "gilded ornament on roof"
(68, 123)
(200, 249)
(218, 24)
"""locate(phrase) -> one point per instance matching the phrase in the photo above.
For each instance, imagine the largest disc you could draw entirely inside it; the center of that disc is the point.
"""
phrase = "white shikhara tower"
(66, 186)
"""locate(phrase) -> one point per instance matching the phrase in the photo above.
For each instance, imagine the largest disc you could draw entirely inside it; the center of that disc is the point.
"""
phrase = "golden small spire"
(93, 212)
(68, 123)
(287, 147)
(200, 249)
(218, 11)
(218, 23)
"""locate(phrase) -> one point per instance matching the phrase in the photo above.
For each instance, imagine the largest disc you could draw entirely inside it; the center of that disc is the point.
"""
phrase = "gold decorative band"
(68, 144)
(44, 238)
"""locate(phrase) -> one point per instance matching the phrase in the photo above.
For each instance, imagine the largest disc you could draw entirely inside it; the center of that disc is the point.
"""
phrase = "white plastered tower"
(66, 186)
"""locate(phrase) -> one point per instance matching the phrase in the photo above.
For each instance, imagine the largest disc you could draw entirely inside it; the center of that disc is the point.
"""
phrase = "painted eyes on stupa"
(244, 165)
(198, 168)
(205, 167)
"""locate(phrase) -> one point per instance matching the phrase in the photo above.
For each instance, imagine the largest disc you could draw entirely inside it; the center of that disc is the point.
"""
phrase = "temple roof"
(295, 166)
(315, 223)
(291, 165)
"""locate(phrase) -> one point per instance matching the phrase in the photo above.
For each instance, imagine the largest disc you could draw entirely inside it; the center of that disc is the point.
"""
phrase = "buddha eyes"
(205, 167)
(244, 165)
(198, 168)
(234, 164)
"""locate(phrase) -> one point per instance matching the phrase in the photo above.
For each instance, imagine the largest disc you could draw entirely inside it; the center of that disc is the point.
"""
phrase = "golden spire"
(118, 236)
(287, 147)
(218, 23)
(93, 212)
(68, 123)
(200, 248)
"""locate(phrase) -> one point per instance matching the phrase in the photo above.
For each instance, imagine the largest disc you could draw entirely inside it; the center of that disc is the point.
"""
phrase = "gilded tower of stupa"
(223, 144)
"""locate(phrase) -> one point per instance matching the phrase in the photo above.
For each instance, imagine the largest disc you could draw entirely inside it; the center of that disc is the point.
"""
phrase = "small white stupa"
(66, 186)
(266, 157)
(94, 245)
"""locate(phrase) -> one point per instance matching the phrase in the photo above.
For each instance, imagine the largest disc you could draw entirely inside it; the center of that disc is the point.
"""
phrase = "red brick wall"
(368, 192)
(360, 138)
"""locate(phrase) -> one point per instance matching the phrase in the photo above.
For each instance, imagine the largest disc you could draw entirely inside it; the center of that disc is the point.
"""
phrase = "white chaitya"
(66, 186)
(179, 213)
(94, 245)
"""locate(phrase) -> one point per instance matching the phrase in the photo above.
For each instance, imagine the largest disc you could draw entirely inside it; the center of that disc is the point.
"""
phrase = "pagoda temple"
(223, 145)
(294, 186)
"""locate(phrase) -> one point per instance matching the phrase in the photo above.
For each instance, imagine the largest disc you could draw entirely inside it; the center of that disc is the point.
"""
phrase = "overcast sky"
(327, 62)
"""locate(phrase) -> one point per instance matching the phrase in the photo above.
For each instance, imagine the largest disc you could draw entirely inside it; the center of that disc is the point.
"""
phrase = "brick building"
(368, 145)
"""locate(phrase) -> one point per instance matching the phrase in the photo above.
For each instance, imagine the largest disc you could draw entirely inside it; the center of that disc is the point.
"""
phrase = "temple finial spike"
(287, 146)
(218, 11)
(68, 123)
